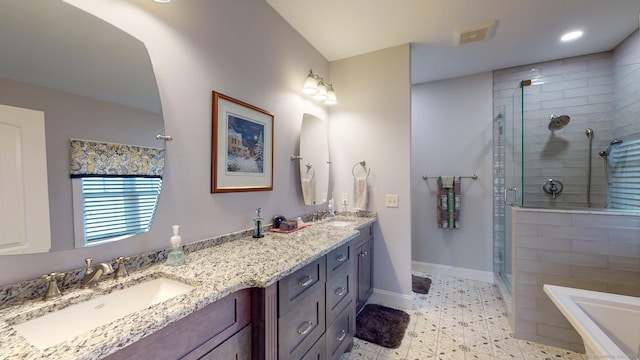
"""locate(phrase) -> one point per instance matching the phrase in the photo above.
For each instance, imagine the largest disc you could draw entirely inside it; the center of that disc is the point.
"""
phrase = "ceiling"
(527, 31)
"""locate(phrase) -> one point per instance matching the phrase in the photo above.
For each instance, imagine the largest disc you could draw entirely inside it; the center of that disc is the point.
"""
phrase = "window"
(624, 175)
(113, 207)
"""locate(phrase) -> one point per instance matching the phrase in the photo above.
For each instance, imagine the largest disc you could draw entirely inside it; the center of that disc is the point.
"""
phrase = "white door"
(24, 195)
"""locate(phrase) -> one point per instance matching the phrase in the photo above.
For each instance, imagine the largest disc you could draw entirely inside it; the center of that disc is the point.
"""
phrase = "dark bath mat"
(381, 325)
(420, 285)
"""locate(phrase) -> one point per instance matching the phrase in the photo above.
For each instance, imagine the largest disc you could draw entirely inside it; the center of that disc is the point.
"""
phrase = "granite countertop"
(214, 271)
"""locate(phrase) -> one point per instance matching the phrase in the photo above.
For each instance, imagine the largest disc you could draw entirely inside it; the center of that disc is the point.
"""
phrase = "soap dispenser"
(176, 255)
(257, 223)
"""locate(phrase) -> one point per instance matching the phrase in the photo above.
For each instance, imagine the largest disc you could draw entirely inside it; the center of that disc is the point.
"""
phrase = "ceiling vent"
(473, 33)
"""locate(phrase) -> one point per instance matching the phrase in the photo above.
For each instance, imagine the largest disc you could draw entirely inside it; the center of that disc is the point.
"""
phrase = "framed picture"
(242, 146)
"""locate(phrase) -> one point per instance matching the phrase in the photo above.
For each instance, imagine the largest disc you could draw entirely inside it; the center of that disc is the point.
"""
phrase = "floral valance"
(92, 158)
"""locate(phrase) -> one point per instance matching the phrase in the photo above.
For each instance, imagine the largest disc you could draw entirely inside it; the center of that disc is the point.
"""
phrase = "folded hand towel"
(360, 184)
(309, 190)
(447, 181)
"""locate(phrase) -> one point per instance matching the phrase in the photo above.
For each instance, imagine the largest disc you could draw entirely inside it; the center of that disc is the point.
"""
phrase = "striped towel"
(448, 202)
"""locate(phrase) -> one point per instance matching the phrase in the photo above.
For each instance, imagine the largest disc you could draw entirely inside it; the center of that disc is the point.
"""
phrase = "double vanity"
(284, 296)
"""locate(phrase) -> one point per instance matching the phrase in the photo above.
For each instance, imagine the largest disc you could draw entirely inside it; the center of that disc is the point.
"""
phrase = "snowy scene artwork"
(242, 146)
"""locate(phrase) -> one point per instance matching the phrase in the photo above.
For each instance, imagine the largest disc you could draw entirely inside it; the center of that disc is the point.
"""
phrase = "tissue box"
(288, 225)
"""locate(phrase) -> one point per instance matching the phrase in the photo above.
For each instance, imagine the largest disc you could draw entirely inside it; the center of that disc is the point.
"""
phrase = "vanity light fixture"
(315, 86)
(162, 1)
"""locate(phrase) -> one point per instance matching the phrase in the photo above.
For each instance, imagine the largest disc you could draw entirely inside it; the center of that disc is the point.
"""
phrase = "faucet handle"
(53, 290)
(122, 269)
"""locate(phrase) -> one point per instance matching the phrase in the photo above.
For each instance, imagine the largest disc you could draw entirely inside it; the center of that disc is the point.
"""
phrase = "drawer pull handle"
(306, 281)
(341, 258)
(341, 291)
(343, 334)
(305, 328)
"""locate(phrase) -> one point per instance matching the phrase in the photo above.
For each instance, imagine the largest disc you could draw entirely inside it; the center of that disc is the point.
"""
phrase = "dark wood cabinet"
(364, 269)
(196, 335)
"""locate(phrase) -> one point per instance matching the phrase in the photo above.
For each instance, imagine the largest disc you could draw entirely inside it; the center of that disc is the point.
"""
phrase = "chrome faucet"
(93, 274)
(53, 291)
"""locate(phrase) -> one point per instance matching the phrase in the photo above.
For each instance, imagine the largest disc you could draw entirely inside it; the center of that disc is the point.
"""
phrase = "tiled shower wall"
(590, 250)
(583, 88)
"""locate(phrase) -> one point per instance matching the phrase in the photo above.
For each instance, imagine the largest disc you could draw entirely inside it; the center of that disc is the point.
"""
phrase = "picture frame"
(242, 146)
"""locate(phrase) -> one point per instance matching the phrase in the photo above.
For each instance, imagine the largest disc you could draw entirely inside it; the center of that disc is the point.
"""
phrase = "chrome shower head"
(589, 133)
(557, 122)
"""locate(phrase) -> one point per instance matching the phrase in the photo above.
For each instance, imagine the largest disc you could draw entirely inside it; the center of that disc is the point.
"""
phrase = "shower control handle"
(553, 187)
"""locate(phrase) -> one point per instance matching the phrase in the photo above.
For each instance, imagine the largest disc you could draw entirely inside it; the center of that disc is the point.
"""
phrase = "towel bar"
(474, 177)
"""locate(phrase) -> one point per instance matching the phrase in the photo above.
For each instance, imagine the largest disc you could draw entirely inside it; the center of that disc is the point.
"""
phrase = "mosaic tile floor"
(459, 319)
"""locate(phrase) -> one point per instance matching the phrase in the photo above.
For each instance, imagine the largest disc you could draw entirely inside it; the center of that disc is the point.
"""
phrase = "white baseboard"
(460, 272)
(396, 300)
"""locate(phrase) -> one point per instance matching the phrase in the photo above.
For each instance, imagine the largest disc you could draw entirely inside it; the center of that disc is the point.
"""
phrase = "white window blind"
(118, 206)
(624, 175)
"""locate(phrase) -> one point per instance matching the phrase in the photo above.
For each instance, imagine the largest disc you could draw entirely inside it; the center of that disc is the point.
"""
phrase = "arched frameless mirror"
(314, 165)
(90, 80)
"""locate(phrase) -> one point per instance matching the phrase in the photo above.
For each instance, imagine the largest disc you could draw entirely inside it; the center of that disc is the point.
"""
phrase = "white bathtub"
(609, 324)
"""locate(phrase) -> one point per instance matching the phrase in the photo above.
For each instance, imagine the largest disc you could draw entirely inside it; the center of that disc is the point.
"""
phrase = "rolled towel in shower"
(360, 192)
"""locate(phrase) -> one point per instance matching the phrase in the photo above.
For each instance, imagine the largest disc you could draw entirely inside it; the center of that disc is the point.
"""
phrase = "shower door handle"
(517, 196)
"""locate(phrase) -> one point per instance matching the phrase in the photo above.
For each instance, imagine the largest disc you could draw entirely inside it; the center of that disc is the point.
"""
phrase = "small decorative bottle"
(176, 255)
(257, 222)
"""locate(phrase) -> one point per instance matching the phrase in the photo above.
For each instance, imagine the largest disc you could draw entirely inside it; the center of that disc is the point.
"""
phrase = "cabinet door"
(365, 272)
(196, 334)
(238, 347)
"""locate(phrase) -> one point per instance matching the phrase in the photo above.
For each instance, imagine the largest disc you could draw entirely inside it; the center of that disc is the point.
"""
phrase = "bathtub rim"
(595, 340)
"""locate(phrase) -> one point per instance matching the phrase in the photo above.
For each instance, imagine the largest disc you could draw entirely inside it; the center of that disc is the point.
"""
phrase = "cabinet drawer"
(317, 352)
(237, 347)
(339, 258)
(299, 327)
(305, 280)
(203, 330)
(339, 335)
(340, 291)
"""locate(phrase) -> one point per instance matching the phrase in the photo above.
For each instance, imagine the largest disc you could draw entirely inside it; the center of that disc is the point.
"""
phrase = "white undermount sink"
(338, 223)
(74, 320)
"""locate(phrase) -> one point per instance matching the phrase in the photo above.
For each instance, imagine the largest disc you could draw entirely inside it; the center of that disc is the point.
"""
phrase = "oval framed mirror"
(91, 81)
(314, 162)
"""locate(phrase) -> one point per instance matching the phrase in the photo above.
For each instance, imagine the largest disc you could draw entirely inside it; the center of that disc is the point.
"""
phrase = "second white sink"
(338, 223)
(67, 323)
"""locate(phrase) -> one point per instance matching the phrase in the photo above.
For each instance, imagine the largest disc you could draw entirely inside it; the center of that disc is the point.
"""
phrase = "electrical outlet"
(391, 200)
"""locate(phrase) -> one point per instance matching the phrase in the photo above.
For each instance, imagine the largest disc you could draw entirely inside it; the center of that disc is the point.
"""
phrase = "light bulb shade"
(322, 91)
(332, 99)
(310, 84)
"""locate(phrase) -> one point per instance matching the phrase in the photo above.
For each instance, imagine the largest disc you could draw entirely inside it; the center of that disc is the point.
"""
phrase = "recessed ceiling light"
(571, 35)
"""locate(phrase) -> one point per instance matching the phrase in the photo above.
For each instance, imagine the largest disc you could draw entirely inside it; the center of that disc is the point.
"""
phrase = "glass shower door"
(513, 141)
